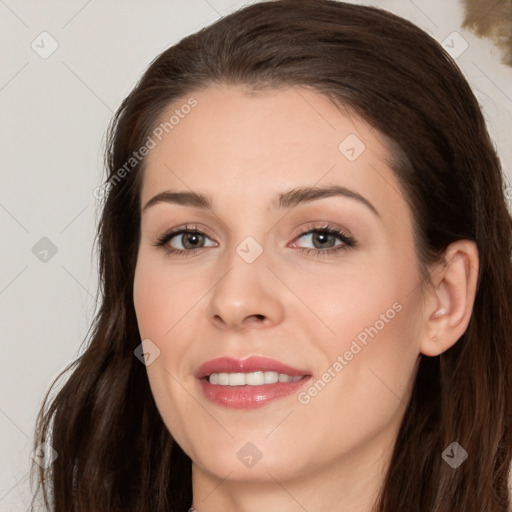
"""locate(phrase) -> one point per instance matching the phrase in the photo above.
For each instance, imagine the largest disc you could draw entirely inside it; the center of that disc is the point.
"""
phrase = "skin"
(243, 150)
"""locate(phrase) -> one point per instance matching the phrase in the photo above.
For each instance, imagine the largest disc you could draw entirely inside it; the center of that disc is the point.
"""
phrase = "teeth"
(251, 379)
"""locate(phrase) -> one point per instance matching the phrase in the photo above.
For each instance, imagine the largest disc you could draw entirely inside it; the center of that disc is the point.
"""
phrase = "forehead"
(234, 142)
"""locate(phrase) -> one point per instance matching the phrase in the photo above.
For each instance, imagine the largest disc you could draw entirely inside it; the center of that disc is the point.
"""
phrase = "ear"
(449, 304)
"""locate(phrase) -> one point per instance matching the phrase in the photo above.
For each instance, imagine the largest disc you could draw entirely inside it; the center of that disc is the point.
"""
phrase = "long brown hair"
(114, 451)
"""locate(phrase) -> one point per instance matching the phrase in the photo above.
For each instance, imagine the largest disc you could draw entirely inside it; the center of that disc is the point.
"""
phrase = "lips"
(251, 364)
(248, 396)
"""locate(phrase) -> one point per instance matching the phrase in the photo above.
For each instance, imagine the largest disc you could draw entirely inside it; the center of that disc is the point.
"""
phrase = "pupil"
(322, 235)
(191, 235)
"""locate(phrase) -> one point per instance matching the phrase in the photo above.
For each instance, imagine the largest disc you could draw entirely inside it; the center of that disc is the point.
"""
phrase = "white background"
(53, 117)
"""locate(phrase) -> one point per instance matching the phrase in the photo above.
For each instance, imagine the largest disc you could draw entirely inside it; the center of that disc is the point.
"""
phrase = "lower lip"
(249, 397)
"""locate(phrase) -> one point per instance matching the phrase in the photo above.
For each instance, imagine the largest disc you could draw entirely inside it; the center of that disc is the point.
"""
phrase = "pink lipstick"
(248, 383)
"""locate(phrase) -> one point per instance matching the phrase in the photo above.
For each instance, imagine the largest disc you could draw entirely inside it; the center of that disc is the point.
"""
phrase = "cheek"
(166, 305)
(355, 296)
(368, 364)
(160, 299)
(149, 300)
(159, 304)
(369, 317)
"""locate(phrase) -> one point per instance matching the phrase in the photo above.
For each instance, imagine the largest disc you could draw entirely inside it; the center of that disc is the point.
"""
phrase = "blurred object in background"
(493, 19)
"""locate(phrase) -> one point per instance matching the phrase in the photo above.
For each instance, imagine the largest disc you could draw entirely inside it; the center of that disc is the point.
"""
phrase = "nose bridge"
(245, 269)
(247, 237)
(244, 289)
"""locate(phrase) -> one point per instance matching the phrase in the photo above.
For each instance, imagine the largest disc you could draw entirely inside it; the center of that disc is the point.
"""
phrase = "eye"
(323, 238)
(190, 239)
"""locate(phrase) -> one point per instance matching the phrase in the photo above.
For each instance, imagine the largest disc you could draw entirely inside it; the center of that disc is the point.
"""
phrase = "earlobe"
(449, 307)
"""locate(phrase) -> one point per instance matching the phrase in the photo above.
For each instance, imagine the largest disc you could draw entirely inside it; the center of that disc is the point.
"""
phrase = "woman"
(232, 367)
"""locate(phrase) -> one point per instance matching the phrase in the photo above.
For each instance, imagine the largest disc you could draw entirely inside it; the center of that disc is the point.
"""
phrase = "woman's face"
(344, 311)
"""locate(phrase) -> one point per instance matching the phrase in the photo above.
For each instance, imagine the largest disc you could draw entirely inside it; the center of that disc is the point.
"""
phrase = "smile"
(251, 379)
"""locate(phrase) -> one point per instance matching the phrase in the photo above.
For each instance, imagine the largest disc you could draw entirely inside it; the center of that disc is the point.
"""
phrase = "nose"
(248, 294)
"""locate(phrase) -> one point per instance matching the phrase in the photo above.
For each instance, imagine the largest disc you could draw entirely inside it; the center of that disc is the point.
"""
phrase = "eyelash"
(329, 229)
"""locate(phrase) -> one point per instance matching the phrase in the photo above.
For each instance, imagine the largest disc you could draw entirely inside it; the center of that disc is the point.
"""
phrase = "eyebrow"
(287, 199)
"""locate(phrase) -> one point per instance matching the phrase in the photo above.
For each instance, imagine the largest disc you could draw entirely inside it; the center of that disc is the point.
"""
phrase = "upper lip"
(250, 364)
